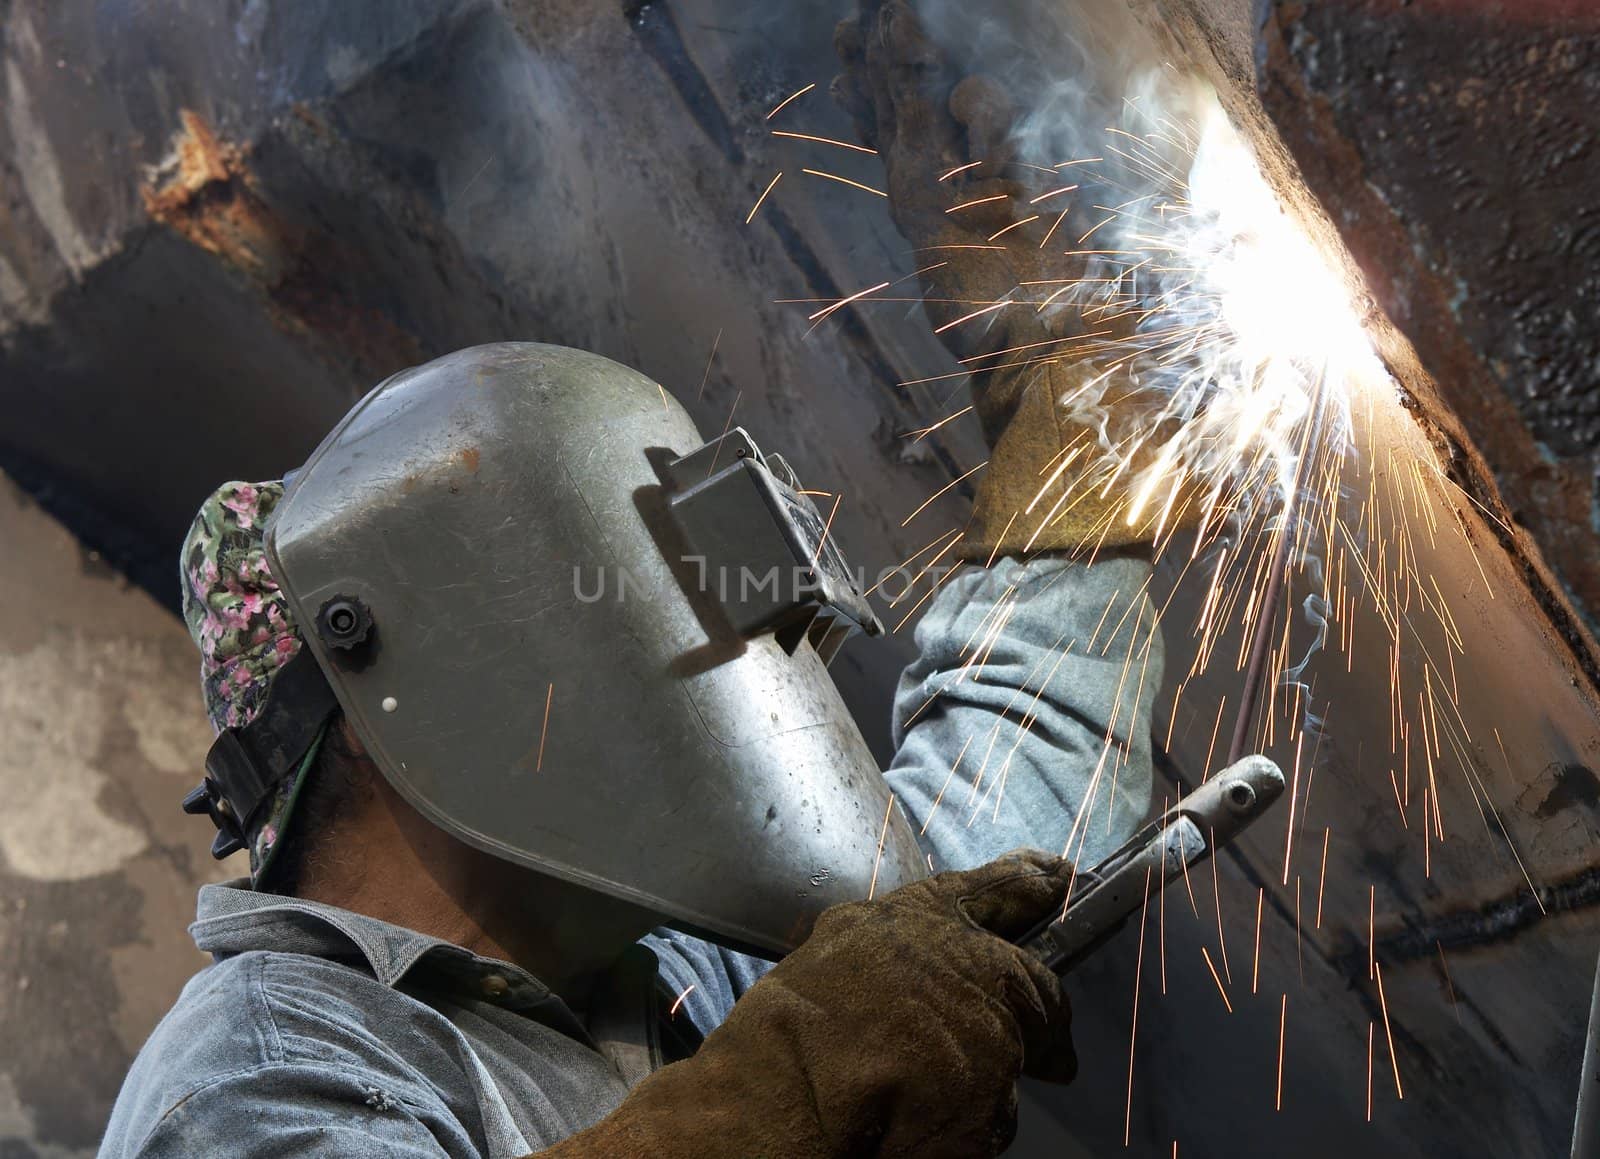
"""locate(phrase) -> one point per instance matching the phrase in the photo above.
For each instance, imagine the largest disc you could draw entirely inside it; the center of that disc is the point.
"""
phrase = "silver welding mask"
(575, 635)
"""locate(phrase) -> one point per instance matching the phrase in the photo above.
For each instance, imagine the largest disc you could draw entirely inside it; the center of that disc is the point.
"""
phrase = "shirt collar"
(233, 919)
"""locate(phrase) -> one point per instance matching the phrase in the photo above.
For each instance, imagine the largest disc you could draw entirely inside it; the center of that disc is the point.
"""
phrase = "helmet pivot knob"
(344, 622)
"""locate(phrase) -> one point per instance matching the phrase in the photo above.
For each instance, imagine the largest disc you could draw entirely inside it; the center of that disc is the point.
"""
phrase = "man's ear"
(349, 740)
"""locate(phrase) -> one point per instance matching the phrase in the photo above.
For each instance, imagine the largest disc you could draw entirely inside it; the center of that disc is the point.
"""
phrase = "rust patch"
(206, 192)
(469, 459)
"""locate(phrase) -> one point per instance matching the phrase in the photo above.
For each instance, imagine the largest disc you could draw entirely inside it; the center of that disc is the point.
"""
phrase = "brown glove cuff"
(733, 1098)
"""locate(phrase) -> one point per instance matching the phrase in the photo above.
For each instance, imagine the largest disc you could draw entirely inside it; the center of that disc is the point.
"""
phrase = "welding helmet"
(577, 636)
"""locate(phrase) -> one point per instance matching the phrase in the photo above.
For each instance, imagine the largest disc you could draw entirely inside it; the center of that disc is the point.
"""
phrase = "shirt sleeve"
(1025, 718)
(277, 1110)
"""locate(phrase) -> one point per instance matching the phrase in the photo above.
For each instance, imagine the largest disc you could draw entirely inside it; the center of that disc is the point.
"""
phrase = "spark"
(1215, 977)
(949, 173)
(855, 297)
(882, 836)
(823, 141)
(1299, 944)
(1427, 839)
(1211, 748)
(993, 306)
(953, 482)
(1051, 193)
(672, 1012)
(1096, 228)
(1370, 1027)
(933, 562)
(726, 427)
(1133, 1034)
(1372, 930)
(1020, 222)
(1255, 968)
(845, 181)
(474, 179)
(1052, 230)
(1322, 878)
(1389, 1034)
(1449, 985)
(948, 777)
(549, 695)
(1283, 1024)
(794, 96)
(816, 555)
(946, 578)
(1399, 802)
(756, 208)
(1294, 790)
(977, 201)
(926, 431)
(710, 361)
(1216, 894)
(1161, 905)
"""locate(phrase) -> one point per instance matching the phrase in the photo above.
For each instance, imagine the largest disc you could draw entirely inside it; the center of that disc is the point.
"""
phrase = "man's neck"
(391, 864)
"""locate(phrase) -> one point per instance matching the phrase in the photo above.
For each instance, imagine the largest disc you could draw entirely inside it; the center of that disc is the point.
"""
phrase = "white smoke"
(1241, 326)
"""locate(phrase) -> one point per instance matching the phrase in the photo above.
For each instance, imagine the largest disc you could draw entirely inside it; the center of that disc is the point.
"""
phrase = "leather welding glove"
(1059, 428)
(897, 1029)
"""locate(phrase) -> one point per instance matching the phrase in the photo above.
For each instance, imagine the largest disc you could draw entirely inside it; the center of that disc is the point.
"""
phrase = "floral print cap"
(242, 625)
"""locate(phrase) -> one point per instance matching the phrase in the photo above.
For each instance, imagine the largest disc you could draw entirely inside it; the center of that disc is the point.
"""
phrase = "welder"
(531, 794)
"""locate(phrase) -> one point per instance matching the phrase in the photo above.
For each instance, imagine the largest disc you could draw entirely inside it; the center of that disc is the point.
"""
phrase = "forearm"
(1025, 719)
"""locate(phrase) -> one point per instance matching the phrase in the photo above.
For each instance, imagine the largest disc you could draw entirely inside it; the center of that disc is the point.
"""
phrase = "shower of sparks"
(1265, 429)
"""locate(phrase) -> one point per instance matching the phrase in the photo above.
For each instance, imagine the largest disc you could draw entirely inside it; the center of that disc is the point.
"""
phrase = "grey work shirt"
(321, 1031)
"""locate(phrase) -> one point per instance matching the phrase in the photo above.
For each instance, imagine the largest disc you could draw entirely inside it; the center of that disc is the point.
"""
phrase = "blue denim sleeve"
(282, 1109)
(1025, 718)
